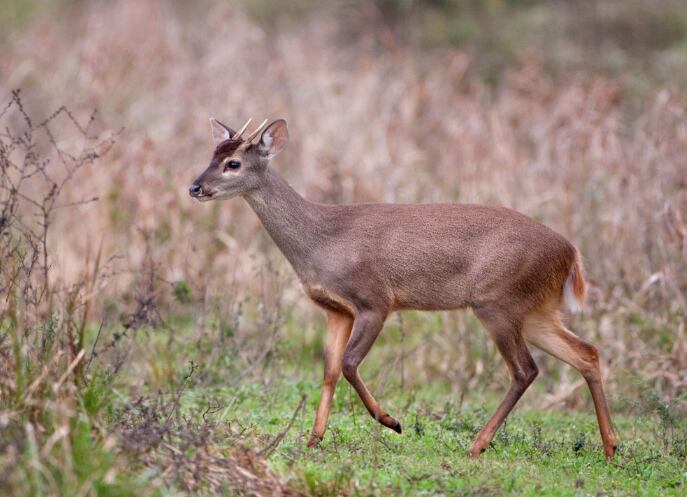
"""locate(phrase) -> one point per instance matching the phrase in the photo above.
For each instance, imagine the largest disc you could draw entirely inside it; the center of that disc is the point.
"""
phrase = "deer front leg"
(366, 328)
(338, 332)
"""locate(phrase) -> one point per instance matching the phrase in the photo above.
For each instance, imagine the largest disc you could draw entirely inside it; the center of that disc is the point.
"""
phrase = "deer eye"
(232, 164)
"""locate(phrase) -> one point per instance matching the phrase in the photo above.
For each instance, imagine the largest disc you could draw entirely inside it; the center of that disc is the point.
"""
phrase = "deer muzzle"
(195, 190)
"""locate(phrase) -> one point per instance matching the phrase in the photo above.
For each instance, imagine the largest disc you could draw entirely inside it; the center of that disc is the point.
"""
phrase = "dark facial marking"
(227, 147)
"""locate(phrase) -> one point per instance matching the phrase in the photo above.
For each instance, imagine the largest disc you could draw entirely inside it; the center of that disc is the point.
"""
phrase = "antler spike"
(238, 134)
(255, 133)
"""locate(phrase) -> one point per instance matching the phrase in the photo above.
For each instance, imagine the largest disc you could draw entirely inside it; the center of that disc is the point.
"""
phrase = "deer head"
(238, 164)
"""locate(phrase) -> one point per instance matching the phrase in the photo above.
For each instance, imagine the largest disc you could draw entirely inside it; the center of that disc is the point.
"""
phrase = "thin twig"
(95, 343)
(267, 451)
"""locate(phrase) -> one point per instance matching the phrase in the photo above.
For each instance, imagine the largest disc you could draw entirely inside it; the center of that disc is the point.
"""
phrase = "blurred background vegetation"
(642, 42)
(572, 112)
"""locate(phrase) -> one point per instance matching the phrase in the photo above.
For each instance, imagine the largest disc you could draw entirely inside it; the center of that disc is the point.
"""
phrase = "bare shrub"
(193, 451)
(41, 316)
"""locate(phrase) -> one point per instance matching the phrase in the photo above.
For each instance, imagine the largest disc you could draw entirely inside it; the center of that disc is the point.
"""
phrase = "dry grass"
(369, 122)
(371, 119)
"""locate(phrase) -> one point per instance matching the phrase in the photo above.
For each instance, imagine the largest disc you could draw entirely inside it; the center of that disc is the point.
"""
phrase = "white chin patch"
(223, 195)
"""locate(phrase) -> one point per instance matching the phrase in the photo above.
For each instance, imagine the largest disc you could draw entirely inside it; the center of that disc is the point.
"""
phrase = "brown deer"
(362, 262)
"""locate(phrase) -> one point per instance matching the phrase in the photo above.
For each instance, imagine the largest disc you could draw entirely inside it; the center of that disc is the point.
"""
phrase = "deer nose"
(194, 190)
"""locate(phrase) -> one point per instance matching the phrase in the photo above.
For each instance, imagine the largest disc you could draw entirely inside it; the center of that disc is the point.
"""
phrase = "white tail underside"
(571, 301)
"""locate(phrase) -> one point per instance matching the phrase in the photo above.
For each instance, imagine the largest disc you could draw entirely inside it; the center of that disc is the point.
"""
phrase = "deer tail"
(575, 287)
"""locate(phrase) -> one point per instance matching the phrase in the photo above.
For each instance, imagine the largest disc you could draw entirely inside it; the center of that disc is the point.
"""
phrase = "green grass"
(554, 453)
(99, 438)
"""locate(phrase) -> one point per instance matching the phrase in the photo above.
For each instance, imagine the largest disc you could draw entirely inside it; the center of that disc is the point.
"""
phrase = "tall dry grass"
(370, 120)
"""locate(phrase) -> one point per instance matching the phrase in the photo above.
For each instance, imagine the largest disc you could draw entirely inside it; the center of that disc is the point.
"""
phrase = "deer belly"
(432, 295)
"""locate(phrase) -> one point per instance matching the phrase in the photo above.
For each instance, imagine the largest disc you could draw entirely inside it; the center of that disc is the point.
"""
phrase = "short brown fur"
(361, 262)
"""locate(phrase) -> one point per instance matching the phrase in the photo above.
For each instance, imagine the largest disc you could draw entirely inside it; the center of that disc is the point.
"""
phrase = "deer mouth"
(198, 193)
(204, 197)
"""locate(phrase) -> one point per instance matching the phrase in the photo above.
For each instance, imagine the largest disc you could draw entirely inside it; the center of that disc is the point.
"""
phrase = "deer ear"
(274, 138)
(220, 132)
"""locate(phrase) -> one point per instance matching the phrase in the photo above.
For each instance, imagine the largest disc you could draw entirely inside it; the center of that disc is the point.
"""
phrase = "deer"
(362, 262)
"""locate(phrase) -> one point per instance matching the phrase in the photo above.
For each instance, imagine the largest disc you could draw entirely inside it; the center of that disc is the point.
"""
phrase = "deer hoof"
(314, 441)
(610, 451)
(475, 451)
(390, 422)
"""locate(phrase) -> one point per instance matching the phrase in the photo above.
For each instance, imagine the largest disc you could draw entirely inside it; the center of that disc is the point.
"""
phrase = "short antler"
(255, 133)
(238, 134)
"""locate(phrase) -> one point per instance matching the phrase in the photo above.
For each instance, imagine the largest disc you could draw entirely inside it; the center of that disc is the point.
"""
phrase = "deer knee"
(330, 378)
(589, 368)
(526, 375)
(332, 369)
(350, 366)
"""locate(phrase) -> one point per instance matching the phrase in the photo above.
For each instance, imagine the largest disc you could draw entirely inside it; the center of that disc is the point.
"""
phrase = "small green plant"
(182, 292)
(669, 416)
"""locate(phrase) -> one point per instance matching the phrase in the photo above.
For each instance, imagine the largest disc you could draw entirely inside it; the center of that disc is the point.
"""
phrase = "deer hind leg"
(338, 332)
(545, 330)
(366, 328)
(507, 335)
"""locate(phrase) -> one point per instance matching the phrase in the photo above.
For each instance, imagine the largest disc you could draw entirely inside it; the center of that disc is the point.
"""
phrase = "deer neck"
(294, 223)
